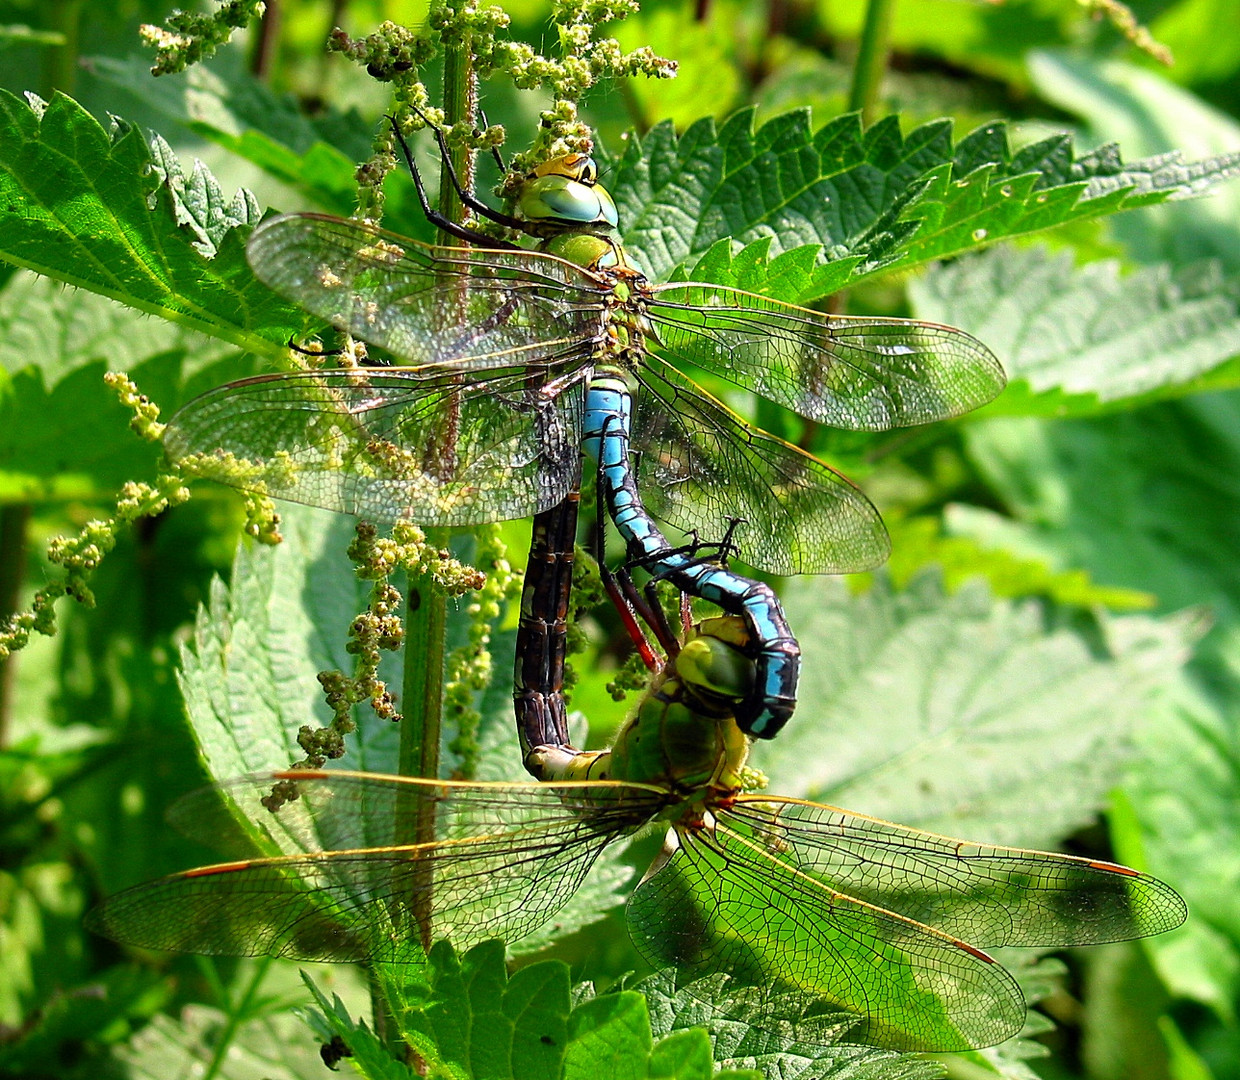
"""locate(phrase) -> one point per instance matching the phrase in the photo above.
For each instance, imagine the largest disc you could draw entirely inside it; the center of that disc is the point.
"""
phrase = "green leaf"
(257, 1035)
(814, 1048)
(1148, 115)
(95, 209)
(249, 673)
(482, 1023)
(1179, 818)
(62, 431)
(315, 156)
(1200, 55)
(1123, 1000)
(920, 541)
(367, 1054)
(611, 1036)
(963, 715)
(465, 1017)
(1084, 337)
(877, 195)
(1142, 500)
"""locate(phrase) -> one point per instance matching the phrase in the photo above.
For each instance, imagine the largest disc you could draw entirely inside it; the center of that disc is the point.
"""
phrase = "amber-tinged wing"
(501, 860)
(990, 896)
(724, 904)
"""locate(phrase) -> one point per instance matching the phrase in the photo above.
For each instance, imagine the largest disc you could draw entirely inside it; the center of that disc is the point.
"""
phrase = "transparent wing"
(471, 308)
(725, 904)
(390, 443)
(865, 373)
(990, 896)
(700, 466)
(499, 861)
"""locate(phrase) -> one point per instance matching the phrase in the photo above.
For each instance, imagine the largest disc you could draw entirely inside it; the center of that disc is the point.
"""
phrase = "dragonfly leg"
(499, 158)
(445, 224)
(619, 586)
(468, 197)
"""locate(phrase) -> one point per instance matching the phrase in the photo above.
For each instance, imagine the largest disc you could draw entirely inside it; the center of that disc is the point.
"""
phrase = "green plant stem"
(872, 53)
(66, 18)
(460, 102)
(13, 520)
(427, 606)
(426, 622)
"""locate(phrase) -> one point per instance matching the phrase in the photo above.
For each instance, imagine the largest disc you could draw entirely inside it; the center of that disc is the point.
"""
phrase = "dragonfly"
(864, 921)
(516, 360)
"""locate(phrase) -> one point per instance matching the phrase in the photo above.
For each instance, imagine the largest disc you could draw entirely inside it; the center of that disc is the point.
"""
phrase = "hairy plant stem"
(13, 519)
(426, 606)
(872, 56)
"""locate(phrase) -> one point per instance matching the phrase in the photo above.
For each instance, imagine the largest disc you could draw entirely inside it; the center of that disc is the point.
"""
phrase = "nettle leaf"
(807, 1049)
(470, 1017)
(1081, 338)
(464, 1016)
(1181, 821)
(1148, 114)
(316, 156)
(95, 209)
(611, 1036)
(963, 714)
(919, 541)
(262, 1035)
(873, 198)
(249, 672)
(1142, 499)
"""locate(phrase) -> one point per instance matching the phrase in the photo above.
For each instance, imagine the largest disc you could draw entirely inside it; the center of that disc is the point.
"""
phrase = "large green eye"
(558, 198)
(712, 665)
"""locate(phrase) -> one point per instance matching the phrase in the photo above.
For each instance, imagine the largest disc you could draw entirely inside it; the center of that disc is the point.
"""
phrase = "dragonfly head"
(714, 666)
(565, 193)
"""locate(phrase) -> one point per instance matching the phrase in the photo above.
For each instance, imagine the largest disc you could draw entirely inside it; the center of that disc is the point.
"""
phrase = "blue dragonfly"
(516, 360)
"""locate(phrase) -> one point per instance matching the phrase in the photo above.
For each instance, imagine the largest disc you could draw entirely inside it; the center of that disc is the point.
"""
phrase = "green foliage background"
(1051, 659)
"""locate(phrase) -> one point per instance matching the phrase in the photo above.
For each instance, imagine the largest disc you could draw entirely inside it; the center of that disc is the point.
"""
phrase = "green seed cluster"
(186, 39)
(80, 556)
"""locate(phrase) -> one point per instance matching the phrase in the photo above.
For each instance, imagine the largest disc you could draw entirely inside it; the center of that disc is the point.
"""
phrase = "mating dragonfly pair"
(525, 358)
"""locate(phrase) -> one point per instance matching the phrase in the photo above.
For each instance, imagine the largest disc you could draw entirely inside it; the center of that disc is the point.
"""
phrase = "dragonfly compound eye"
(567, 200)
(710, 665)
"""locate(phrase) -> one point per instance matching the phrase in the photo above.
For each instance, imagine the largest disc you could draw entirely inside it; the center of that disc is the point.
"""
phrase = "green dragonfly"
(784, 900)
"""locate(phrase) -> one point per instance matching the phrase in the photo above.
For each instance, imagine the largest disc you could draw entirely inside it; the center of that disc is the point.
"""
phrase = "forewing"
(859, 372)
(390, 443)
(700, 466)
(503, 859)
(723, 904)
(471, 308)
(989, 896)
